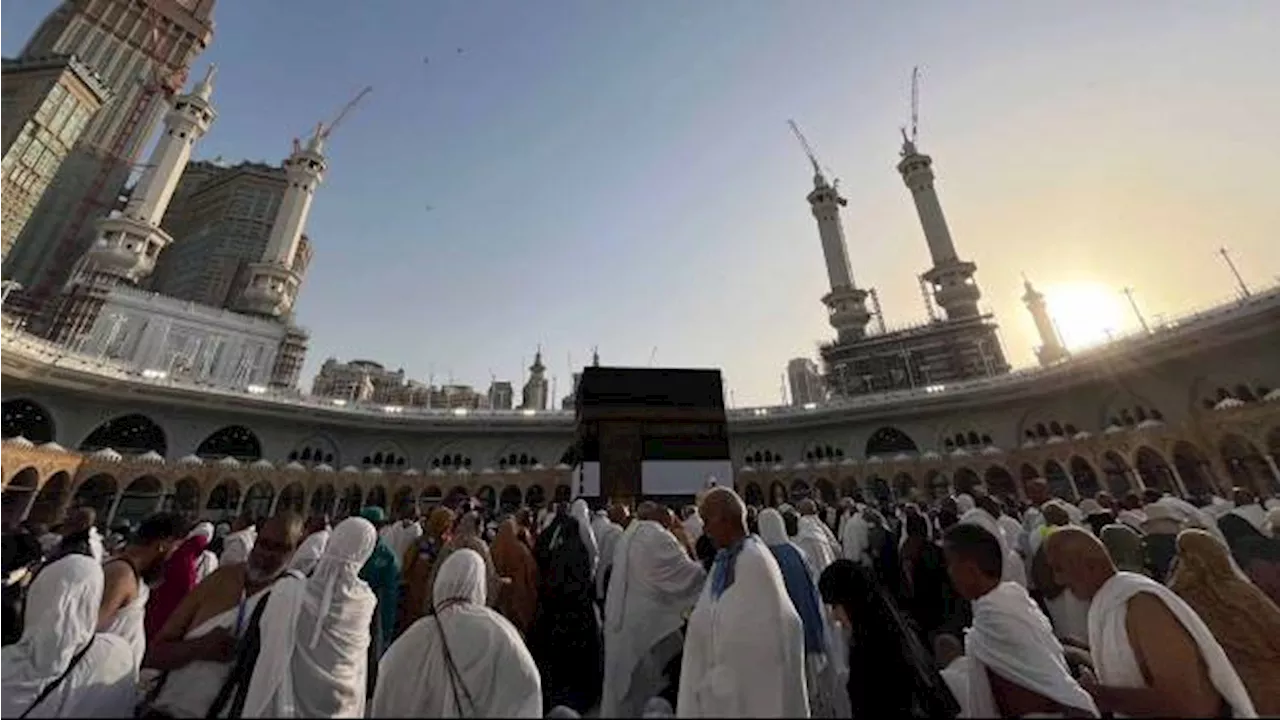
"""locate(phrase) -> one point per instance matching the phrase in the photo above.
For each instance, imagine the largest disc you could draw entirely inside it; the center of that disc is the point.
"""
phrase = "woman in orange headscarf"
(1244, 620)
(513, 559)
(419, 561)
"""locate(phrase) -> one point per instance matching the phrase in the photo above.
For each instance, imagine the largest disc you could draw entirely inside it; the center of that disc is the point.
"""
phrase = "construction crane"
(813, 159)
(324, 130)
(154, 47)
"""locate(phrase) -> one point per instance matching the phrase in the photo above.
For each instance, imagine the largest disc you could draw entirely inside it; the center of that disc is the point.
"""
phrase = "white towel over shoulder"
(1113, 660)
(1012, 638)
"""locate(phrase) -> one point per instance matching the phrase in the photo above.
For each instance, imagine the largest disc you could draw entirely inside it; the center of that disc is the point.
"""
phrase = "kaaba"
(651, 433)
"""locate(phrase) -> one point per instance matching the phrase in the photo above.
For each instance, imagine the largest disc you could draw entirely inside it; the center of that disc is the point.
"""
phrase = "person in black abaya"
(927, 593)
(565, 638)
(891, 674)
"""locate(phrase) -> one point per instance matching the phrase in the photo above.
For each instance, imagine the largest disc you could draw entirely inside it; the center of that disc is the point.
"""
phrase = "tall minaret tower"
(954, 289)
(534, 395)
(1051, 349)
(846, 304)
(129, 243)
(273, 285)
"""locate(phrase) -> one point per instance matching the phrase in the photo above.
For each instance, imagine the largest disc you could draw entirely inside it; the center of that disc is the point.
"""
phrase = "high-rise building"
(357, 381)
(221, 219)
(805, 381)
(501, 395)
(47, 104)
(133, 45)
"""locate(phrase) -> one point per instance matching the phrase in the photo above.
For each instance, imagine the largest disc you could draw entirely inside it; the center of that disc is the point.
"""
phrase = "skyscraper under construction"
(143, 50)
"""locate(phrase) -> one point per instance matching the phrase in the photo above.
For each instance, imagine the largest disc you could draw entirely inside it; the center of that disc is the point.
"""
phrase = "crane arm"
(817, 170)
(915, 103)
(327, 129)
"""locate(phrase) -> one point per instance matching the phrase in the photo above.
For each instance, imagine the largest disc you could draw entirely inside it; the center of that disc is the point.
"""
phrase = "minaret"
(129, 243)
(846, 304)
(534, 395)
(954, 289)
(1051, 349)
(273, 285)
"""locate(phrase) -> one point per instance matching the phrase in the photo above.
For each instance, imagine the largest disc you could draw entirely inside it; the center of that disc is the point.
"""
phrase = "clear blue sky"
(620, 173)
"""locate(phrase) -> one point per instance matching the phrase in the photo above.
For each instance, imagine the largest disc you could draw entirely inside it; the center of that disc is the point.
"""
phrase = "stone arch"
(324, 499)
(257, 501)
(431, 495)
(1117, 474)
(824, 490)
(235, 441)
(134, 434)
(352, 499)
(1000, 482)
(28, 419)
(563, 493)
(186, 496)
(224, 499)
(938, 484)
(516, 455)
(888, 441)
(18, 494)
(405, 500)
(777, 493)
(966, 480)
(293, 498)
(1058, 479)
(511, 499)
(904, 485)
(377, 497)
(1193, 467)
(753, 495)
(387, 455)
(97, 492)
(1154, 471)
(1245, 463)
(488, 497)
(799, 491)
(141, 498)
(1084, 475)
(535, 497)
(316, 449)
(49, 500)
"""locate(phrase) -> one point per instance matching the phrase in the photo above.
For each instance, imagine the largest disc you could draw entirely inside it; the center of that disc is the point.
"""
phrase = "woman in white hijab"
(61, 667)
(464, 660)
(581, 512)
(207, 562)
(314, 660)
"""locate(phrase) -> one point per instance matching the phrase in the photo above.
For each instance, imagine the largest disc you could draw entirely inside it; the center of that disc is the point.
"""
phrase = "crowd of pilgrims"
(1144, 606)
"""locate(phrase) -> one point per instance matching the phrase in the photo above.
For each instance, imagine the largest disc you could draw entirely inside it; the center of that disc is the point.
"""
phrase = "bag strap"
(455, 677)
(54, 685)
(241, 667)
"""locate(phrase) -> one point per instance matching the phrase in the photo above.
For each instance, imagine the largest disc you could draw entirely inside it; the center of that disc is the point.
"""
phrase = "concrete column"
(1177, 480)
(115, 505)
(275, 500)
(31, 501)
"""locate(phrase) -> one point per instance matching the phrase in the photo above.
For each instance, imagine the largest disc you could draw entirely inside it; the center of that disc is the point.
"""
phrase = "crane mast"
(915, 103)
(808, 151)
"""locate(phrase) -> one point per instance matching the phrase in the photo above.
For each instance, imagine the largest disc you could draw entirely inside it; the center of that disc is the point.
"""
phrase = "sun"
(1085, 313)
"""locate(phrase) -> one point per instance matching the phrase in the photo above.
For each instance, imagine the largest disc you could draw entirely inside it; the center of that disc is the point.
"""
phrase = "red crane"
(156, 45)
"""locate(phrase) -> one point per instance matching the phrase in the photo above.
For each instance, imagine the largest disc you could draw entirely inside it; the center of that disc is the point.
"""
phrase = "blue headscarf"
(796, 577)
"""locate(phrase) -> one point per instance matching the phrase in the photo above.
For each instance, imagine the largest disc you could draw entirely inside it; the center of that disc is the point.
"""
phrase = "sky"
(621, 175)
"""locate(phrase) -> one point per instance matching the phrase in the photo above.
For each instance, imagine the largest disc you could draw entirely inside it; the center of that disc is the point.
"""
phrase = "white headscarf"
(315, 635)
(580, 512)
(61, 615)
(309, 551)
(207, 562)
(772, 529)
(464, 661)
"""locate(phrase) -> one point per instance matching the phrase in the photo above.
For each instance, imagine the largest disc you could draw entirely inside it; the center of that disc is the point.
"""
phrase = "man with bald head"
(744, 646)
(1152, 654)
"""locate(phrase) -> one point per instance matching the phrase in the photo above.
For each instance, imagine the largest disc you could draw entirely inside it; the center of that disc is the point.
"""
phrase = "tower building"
(1051, 349)
(272, 287)
(534, 394)
(129, 242)
(142, 50)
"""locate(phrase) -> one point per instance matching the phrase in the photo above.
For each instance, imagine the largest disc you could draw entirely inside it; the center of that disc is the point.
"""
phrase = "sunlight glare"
(1085, 313)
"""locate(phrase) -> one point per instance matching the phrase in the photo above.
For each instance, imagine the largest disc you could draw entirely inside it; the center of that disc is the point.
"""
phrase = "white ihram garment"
(130, 621)
(309, 552)
(491, 674)
(315, 635)
(1012, 569)
(237, 546)
(607, 533)
(190, 690)
(693, 526)
(1114, 662)
(856, 538)
(60, 617)
(207, 562)
(654, 584)
(580, 512)
(1013, 639)
(818, 544)
(744, 652)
